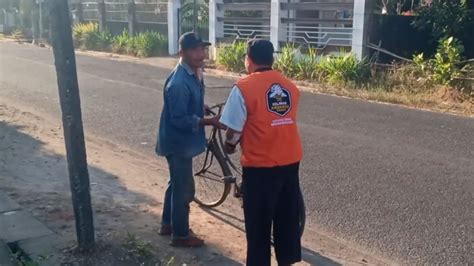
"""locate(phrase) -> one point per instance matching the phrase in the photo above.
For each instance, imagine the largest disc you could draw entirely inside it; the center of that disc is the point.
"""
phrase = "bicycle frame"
(216, 138)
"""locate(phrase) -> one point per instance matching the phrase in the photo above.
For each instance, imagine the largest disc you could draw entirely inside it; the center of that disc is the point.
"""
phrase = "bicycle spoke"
(209, 179)
(220, 180)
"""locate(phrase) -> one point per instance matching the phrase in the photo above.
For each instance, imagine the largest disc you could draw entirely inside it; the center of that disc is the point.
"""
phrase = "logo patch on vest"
(278, 100)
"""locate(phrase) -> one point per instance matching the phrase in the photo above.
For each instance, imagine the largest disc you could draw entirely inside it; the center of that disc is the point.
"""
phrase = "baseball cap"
(260, 51)
(191, 40)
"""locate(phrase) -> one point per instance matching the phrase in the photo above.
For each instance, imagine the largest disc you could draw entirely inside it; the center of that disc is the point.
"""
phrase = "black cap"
(261, 52)
(191, 40)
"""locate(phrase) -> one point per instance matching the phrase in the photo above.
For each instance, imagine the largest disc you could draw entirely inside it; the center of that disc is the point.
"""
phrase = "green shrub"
(345, 69)
(447, 57)
(443, 69)
(98, 41)
(232, 57)
(149, 43)
(18, 35)
(120, 42)
(80, 30)
(308, 68)
(131, 46)
(444, 18)
(286, 61)
(88, 36)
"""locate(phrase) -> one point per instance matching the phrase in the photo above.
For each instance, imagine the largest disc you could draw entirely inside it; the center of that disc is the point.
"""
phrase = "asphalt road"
(395, 180)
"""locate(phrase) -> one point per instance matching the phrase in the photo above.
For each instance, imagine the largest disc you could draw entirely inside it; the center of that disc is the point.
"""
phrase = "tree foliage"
(444, 18)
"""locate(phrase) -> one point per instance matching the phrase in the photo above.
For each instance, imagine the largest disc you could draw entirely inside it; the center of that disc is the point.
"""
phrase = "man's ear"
(249, 60)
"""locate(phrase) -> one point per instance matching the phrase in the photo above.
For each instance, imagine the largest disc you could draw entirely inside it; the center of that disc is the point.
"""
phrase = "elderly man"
(181, 137)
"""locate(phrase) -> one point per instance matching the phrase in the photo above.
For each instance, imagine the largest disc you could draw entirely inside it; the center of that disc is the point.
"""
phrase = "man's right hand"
(213, 121)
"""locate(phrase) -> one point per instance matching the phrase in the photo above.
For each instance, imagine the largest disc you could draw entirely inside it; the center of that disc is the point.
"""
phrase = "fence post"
(360, 28)
(34, 25)
(173, 26)
(79, 12)
(275, 24)
(101, 14)
(216, 27)
(132, 18)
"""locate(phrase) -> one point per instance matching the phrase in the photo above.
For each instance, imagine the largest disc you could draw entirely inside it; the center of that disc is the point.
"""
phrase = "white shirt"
(234, 115)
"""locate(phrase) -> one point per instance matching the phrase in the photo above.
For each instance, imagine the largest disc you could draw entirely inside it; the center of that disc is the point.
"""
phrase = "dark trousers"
(271, 197)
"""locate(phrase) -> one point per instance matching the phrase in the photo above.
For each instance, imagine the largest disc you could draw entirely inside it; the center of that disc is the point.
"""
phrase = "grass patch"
(136, 248)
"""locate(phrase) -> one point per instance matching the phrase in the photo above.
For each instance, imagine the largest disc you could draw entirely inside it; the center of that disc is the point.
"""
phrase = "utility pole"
(68, 87)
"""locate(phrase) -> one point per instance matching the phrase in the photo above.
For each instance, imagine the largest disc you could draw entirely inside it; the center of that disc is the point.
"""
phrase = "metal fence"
(315, 23)
(245, 20)
(319, 23)
(150, 15)
(90, 11)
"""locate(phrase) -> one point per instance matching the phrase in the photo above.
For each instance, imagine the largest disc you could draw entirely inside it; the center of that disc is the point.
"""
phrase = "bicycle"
(219, 179)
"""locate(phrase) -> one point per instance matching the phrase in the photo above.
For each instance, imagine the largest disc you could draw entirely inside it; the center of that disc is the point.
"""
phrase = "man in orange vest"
(260, 113)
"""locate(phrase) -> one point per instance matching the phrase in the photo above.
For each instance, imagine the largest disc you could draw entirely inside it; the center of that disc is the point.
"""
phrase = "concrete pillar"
(132, 19)
(275, 24)
(79, 13)
(101, 14)
(216, 27)
(35, 25)
(292, 26)
(173, 26)
(360, 27)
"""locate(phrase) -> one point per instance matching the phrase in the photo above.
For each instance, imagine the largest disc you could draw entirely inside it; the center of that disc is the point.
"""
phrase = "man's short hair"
(261, 52)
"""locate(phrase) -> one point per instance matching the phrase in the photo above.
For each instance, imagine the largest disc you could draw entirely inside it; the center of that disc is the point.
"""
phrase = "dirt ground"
(127, 190)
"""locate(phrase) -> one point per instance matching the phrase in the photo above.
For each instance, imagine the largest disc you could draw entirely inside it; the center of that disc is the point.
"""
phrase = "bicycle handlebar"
(217, 106)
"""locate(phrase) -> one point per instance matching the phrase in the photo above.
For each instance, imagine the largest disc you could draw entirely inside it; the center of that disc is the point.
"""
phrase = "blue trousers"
(178, 196)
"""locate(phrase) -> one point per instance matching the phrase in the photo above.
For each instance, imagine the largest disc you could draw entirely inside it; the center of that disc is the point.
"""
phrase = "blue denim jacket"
(179, 132)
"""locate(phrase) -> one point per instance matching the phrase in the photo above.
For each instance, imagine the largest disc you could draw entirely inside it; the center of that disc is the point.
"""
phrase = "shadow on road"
(309, 256)
(36, 177)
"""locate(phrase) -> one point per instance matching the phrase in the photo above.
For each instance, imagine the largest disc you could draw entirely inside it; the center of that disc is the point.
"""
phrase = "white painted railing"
(320, 37)
(246, 32)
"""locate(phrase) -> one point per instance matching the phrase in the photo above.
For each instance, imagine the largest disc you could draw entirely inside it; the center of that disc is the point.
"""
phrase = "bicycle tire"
(302, 214)
(215, 153)
(302, 217)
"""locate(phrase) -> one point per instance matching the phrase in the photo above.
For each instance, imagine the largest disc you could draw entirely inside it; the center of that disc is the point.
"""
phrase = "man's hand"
(216, 123)
(207, 110)
(213, 121)
(229, 148)
(232, 138)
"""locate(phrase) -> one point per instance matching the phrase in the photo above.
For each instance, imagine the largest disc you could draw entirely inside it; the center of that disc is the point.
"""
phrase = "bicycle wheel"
(211, 177)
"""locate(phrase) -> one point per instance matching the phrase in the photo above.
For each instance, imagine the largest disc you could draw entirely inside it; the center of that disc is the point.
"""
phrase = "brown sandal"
(190, 242)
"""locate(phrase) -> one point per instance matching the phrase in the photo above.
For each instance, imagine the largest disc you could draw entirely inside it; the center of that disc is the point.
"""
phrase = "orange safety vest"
(270, 136)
